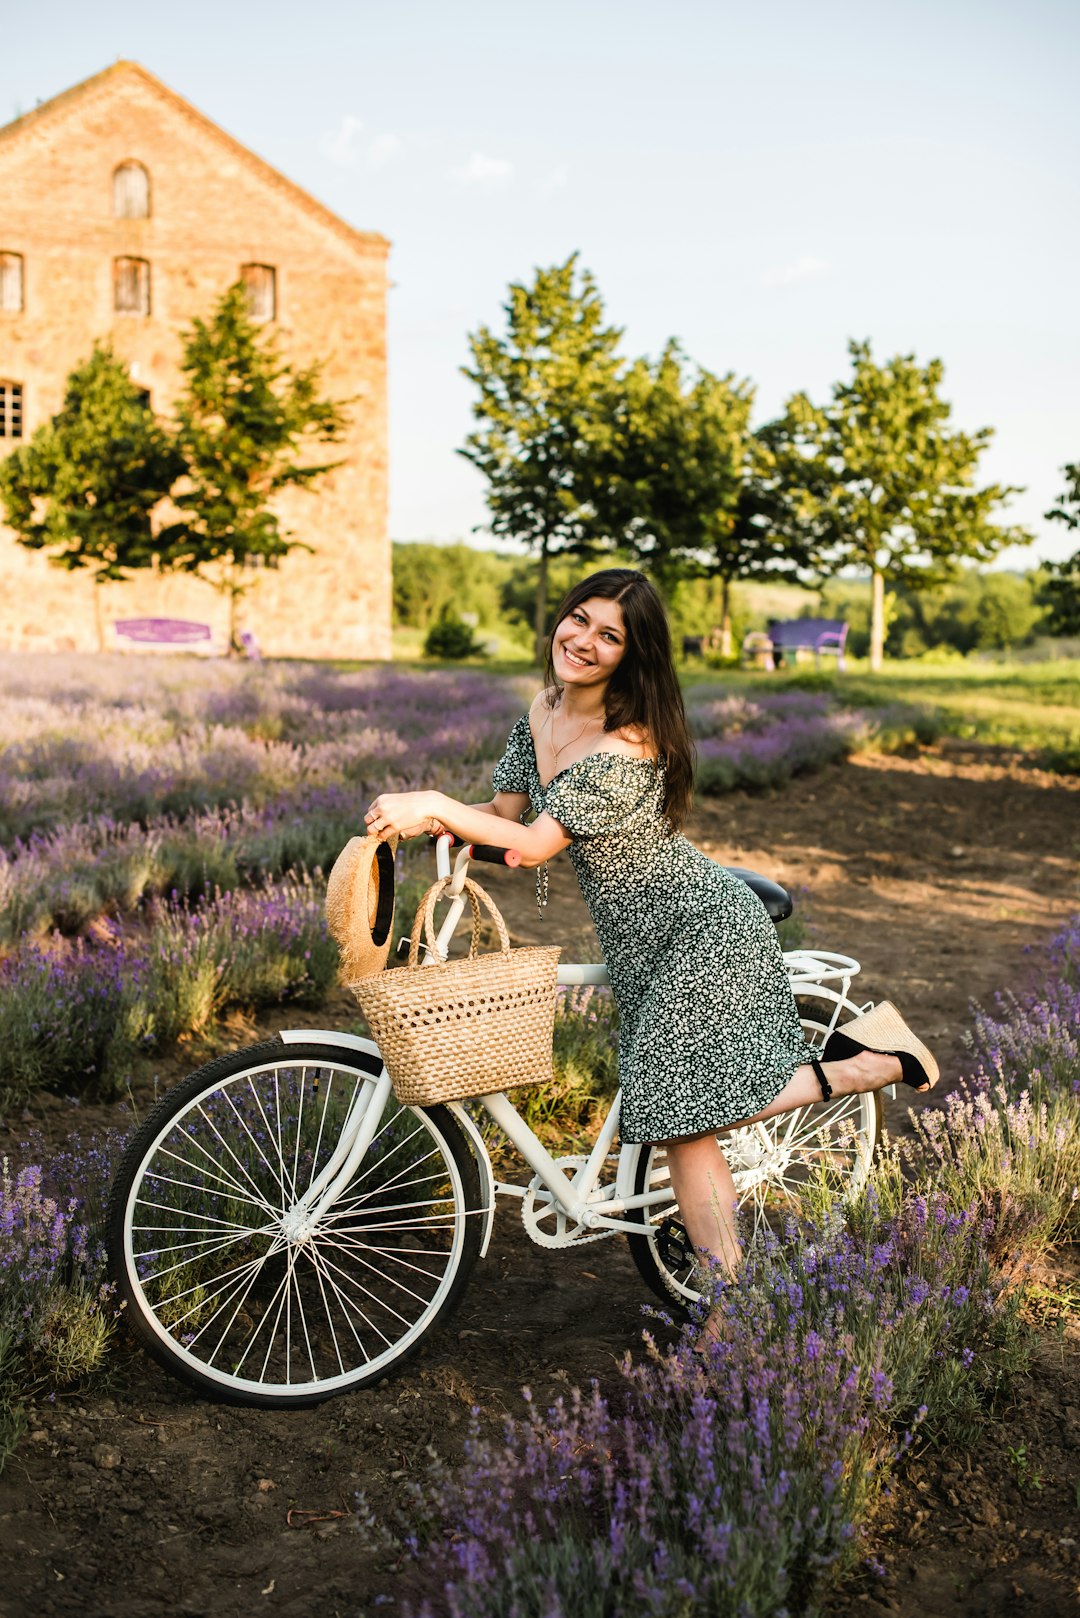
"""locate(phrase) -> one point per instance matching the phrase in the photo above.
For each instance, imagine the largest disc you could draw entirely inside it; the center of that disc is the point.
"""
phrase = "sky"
(762, 182)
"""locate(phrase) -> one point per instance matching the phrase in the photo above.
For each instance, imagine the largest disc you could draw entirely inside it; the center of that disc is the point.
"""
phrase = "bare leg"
(855, 1075)
(701, 1178)
(705, 1191)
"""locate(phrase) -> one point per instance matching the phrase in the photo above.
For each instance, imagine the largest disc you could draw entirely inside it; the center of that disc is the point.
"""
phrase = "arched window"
(131, 191)
(11, 282)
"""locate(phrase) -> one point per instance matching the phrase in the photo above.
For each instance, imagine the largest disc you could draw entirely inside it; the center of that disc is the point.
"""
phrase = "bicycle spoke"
(232, 1279)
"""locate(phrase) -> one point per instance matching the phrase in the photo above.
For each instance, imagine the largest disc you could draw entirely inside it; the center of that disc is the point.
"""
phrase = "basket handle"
(425, 916)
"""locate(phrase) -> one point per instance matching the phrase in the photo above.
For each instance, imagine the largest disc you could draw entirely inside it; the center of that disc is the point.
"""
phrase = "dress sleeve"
(600, 794)
(511, 773)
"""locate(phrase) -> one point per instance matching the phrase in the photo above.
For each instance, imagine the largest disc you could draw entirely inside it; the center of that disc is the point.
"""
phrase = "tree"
(85, 487)
(877, 479)
(544, 406)
(243, 423)
(687, 486)
(1060, 592)
(429, 577)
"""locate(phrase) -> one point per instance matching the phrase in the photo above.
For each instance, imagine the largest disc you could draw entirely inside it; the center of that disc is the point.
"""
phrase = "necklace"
(555, 751)
(542, 870)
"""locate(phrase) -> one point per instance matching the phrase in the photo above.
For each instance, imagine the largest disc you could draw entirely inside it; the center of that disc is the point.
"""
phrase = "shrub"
(451, 638)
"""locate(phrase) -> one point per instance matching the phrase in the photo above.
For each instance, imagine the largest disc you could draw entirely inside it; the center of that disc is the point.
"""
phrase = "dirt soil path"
(936, 872)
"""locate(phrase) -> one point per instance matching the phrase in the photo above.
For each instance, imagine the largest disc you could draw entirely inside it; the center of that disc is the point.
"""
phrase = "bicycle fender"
(328, 1036)
(353, 1042)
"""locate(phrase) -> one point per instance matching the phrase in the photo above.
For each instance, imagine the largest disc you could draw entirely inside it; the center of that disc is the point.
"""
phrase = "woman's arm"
(407, 812)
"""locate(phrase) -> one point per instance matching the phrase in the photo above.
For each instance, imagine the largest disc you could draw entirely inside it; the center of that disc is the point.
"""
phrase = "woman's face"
(589, 643)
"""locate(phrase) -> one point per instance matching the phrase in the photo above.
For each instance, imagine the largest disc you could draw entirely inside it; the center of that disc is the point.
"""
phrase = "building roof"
(123, 70)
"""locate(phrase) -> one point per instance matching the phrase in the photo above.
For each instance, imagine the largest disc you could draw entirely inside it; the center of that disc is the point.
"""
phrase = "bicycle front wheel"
(829, 1146)
(226, 1278)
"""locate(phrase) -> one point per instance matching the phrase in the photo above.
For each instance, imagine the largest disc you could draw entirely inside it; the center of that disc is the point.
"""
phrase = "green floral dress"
(709, 1033)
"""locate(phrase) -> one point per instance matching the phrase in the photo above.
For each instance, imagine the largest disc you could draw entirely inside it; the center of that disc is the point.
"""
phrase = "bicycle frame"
(580, 1198)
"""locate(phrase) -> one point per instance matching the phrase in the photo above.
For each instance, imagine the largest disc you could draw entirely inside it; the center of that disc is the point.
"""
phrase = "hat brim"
(360, 905)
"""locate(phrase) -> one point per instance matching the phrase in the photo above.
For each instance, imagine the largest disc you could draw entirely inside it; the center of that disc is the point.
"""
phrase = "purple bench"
(163, 632)
(818, 634)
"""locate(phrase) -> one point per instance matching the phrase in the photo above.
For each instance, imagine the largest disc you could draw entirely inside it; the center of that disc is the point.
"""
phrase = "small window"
(11, 410)
(131, 192)
(261, 283)
(11, 283)
(143, 396)
(131, 286)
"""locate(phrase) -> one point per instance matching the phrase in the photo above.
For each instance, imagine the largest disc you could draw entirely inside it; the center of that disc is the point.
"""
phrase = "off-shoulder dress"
(708, 1029)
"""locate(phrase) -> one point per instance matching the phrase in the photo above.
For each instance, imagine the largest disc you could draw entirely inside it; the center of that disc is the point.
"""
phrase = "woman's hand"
(406, 814)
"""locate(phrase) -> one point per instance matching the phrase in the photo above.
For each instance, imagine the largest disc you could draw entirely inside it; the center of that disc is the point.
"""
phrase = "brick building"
(123, 213)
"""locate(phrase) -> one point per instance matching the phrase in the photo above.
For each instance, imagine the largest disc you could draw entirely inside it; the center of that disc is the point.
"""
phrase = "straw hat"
(360, 905)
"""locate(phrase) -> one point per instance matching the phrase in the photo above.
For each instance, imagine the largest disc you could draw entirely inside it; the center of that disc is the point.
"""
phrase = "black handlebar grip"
(495, 856)
(487, 853)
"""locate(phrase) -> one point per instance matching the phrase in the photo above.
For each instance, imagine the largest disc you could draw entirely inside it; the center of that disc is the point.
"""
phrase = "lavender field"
(164, 829)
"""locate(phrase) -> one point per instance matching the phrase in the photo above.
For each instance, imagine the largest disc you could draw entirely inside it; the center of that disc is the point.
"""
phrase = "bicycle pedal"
(674, 1246)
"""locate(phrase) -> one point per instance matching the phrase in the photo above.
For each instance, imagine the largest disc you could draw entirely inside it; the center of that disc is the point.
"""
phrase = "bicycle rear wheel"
(830, 1144)
(251, 1305)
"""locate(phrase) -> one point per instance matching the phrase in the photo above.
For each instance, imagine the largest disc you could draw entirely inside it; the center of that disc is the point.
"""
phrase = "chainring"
(567, 1232)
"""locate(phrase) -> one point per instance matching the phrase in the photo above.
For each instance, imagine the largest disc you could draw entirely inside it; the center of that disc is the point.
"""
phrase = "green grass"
(1034, 707)
(1031, 706)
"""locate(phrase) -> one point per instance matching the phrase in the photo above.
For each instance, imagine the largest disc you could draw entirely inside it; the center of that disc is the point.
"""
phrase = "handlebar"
(487, 853)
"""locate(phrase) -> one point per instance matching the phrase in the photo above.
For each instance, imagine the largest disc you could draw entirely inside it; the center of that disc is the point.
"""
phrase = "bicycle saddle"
(777, 900)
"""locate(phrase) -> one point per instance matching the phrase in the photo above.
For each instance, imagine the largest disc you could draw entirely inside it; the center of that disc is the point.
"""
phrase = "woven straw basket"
(463, 1028)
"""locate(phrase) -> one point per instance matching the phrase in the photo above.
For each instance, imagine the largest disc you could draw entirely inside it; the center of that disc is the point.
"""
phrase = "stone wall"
(214, 207)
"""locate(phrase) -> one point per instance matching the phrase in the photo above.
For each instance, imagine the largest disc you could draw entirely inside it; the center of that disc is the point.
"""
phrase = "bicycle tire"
(223, 1296)
(769, 1162)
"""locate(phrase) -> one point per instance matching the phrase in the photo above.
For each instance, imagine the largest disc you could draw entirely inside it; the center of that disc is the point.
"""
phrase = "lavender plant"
(727, 1489)
(72, 1017)
(56, 1320)
(739, 1481)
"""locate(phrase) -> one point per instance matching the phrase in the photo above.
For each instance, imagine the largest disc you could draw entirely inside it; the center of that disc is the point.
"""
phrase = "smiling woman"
(710, 1036)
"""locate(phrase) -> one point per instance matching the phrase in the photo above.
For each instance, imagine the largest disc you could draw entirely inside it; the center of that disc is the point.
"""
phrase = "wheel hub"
(298, 1226)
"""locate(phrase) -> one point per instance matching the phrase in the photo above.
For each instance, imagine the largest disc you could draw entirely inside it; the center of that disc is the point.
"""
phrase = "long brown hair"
(644, 689)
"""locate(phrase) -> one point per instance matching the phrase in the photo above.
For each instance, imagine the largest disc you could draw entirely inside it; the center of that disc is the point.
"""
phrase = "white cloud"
(483, 170)
(805, 267)
(348, 146)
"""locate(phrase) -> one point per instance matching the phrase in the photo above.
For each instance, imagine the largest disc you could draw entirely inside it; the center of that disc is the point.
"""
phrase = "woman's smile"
(602, 622)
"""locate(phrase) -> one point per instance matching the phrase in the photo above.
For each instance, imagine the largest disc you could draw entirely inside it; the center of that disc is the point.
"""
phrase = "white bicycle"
(281, 1229)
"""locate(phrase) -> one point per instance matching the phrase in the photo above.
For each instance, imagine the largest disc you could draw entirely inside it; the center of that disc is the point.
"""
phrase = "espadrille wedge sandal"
(885, 1031)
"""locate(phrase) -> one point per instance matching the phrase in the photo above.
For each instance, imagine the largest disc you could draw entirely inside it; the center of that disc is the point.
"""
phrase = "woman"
(709, 1032)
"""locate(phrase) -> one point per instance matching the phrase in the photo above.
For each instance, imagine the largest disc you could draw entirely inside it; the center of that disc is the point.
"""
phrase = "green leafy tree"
(877, 479)
(85, 486)
(543, 411)
(672, 469)
(975, 612)
(1060, 592)
(428, 577)
(244, 424)
(687, 488)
